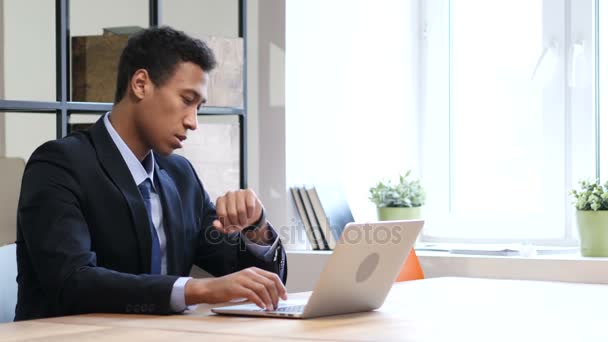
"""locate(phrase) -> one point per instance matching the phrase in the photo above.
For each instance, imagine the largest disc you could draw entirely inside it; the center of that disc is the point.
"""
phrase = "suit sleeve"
(221, 254)
(57, 238)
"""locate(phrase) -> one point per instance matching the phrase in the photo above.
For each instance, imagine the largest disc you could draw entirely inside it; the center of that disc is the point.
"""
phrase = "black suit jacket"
(83, 239)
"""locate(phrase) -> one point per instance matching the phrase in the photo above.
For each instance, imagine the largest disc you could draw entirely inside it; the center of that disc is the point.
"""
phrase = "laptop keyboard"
(288, 308)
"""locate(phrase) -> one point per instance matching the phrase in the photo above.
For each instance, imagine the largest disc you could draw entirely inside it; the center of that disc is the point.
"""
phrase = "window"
(508, 117)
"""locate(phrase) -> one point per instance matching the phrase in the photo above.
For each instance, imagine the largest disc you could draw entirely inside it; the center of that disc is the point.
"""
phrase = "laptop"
(357, 277)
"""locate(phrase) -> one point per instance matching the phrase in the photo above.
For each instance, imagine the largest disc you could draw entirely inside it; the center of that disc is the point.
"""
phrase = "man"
(110, 221)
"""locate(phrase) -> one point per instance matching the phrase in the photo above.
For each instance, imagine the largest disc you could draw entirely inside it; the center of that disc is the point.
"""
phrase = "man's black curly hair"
(159, 50)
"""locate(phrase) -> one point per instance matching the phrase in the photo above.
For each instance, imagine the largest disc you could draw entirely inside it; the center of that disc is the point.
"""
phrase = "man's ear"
(140, 83)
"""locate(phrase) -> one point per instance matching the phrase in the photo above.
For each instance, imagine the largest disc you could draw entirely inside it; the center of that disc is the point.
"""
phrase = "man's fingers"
(220, 209)
(250, 202)
(241, 208)
(238, 209)
(260, 290)
(232, 215)
(270, 286)
(281, 290)
(217, 224)
(253, 297)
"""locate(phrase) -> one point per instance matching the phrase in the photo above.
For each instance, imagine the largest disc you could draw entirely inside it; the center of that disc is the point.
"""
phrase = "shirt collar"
(139, 170)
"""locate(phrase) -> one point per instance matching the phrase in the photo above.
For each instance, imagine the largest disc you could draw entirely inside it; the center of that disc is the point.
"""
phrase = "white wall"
(90, 17)
(202, 17)
(252, 96)
(267, 109)
(28, 30)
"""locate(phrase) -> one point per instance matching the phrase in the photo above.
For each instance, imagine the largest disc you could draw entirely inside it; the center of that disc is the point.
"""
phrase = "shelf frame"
(63, 107)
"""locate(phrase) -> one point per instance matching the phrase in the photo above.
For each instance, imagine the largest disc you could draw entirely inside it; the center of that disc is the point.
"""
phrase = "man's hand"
(237, 210)
(259, 286)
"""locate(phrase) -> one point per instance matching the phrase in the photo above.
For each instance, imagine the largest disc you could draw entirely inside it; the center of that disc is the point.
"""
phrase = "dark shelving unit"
(63, 107)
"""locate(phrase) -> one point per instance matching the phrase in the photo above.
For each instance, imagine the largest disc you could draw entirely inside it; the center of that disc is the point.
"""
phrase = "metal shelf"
(29, 106)
(92, 107)
(63, 107)
(221, 111)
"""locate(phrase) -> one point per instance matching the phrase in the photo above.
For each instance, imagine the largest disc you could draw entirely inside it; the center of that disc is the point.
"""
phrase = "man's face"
(167, 112)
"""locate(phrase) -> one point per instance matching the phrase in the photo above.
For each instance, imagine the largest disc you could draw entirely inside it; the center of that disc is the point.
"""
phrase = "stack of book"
(324, 212)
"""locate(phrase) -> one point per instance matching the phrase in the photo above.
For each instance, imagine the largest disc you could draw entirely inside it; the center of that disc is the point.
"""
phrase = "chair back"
(8, 282)
(11, 172)
(411, 270)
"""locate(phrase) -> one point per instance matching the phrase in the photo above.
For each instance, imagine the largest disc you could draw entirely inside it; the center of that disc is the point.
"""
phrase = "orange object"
(411, 270)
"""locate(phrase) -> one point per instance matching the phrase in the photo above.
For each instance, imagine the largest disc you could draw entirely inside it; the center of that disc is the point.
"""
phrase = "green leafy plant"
(405, 194)
(591, 196)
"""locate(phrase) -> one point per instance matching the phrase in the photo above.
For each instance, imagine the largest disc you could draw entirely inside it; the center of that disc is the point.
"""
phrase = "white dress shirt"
(144, 170)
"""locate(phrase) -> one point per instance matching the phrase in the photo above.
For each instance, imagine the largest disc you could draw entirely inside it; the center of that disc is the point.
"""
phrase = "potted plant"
(400, 201)
(591, 203)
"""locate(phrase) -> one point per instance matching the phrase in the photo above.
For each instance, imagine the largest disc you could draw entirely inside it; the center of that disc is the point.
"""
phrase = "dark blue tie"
(145, 188)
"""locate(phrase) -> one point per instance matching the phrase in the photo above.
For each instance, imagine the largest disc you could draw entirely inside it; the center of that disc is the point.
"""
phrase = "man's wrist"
(259, 224)
(262, 236)
(178, 295)
(259, 231)
(196, 291)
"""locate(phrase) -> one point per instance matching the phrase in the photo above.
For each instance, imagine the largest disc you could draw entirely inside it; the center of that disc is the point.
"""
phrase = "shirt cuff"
(264, 252)
(178, 296)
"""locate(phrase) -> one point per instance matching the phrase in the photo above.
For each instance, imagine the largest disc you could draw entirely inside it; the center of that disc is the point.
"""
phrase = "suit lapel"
(172, 211)
(115, 167)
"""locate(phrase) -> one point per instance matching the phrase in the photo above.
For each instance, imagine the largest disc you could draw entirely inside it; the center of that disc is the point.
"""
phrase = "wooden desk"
(440, 309)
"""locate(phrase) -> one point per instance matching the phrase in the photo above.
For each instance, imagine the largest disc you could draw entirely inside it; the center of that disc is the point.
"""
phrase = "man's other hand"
(261, 287)
(237, 210)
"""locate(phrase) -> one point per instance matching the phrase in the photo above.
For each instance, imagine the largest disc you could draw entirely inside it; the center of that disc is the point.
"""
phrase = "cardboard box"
(95, 64)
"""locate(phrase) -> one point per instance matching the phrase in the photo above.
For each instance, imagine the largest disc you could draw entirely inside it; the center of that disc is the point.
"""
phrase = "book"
(304, 218)
(314, 222)
(332, 210)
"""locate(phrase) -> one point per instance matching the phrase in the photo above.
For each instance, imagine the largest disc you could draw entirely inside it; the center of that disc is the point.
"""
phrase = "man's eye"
(187, 101)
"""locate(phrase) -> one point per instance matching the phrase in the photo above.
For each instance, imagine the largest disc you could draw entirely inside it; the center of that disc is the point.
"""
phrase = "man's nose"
(191, 121)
